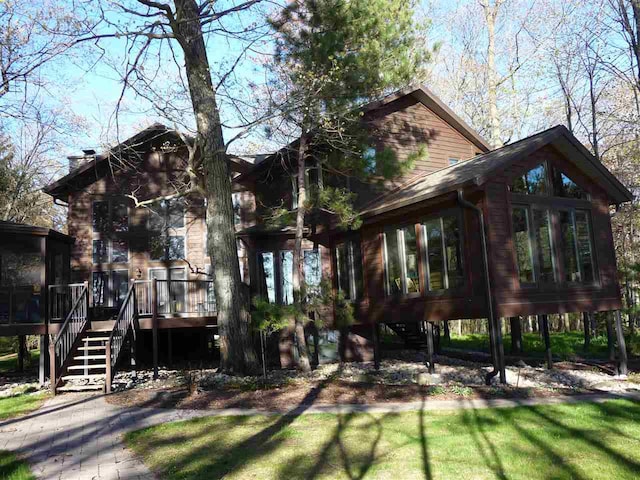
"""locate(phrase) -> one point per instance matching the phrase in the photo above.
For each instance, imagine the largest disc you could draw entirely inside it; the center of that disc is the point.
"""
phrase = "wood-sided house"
(470, 232)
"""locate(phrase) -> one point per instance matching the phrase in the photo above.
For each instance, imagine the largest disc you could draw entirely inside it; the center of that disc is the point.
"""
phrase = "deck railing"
(72, 328)
(175, 297)
(123, 324)
(61, 298)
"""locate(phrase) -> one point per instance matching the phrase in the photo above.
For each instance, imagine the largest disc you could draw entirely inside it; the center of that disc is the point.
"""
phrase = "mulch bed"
(327, 393)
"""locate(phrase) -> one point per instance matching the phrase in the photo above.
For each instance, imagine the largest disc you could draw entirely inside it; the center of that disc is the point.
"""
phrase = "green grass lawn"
(564, 345)
(9, 362)
(12, 468)
(577, 441)
(19, 405)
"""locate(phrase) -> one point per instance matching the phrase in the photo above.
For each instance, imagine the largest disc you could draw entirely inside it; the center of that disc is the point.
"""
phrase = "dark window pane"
(100, 253)
(393, 266)
(532, 183)
(412, 279)
(157, 248)
(100, 216)
(286, 276)
(120, 213)
(435, 257)
(569, 252)
(266, 263)
(312, 269)
(175, 210)
(176, 248)
(119, 251)
(100, 288)
(342, 260)
(563, 186)
(237, 216)
(453, 252)
(583, 234)
(522, 244)
(356, 262)
(120, 286)
(157, 217)
(542, 233)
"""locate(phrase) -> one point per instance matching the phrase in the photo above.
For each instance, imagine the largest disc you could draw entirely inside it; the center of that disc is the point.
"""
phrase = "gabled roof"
(437, 106)
(423, 95)
(479, 170)
(132, 144)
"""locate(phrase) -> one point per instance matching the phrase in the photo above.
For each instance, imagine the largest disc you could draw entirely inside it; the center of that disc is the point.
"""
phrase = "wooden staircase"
(87, 367)
(82, 358)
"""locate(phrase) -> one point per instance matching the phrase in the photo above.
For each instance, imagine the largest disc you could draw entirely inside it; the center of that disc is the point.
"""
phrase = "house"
(470, 232)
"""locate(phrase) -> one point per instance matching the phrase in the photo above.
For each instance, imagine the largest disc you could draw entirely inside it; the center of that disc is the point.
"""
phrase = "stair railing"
(63, 343)
(125, 321)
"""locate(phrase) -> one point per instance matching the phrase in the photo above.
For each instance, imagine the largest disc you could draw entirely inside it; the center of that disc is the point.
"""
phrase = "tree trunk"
(298, 260)
(516, 335)
(490, 15)
(447, 332)
(586, 319)
(236, 350)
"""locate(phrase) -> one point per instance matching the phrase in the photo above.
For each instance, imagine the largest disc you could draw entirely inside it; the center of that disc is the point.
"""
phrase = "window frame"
(596, 271)
(423, 258)
(354, 294)
(110, 201)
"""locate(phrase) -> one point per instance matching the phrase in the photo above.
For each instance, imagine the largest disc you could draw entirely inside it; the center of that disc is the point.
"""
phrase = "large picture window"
(110, 251)
(166, 247)
(349, 269)
(534, 237)
(548, 180)
(441, 257)
(110, 216)
(166, 214)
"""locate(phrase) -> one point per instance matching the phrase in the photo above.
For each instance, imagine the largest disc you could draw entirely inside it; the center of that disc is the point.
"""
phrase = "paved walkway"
(80, 436)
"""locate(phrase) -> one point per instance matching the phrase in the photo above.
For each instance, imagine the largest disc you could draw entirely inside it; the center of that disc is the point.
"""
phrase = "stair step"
(95, 339)
(93, 347)
(79, 388)
(93, 376)
(89, 366)
(99, 330)
(90, 357)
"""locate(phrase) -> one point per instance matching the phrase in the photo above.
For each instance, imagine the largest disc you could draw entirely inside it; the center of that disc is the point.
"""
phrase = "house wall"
(514, 299)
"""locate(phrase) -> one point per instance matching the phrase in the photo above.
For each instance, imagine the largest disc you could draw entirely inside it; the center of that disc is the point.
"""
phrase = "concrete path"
(80, 436)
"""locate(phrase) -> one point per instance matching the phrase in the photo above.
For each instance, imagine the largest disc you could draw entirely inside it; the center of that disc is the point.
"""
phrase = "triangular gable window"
(563, 186)
(534, 182)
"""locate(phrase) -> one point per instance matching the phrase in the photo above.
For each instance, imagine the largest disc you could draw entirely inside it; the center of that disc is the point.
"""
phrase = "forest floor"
(402, 378)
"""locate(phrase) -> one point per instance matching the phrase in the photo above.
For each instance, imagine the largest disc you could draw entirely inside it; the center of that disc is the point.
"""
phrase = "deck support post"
(586, 320)
(132, 354)
(169, 348)
(516, 335)
(611, 347)
(622, 346)
(376, 345)
(22, 347)
(107, 380)
(42, 360)
(430, 349)
(154, 325)
(544, 323)
(52, 366)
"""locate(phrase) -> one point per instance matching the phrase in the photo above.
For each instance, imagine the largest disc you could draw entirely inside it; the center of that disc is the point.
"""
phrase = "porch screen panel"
(453, 251)
(522, 244)
(569, 247)
(585, 250)
(544, 252)
(411, 258)
(393, 263)
(435, 254)
(286, 269)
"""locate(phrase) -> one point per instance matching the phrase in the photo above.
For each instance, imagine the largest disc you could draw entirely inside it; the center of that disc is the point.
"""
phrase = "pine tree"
(333, 56)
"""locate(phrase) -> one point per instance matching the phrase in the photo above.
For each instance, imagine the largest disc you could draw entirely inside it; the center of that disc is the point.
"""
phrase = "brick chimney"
(76, 161)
